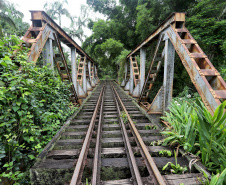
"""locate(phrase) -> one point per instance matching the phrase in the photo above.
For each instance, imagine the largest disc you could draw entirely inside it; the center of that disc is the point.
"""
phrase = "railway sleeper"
(58, 165)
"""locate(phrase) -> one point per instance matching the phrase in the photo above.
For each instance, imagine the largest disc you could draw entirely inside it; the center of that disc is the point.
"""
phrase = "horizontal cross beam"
(63, 36)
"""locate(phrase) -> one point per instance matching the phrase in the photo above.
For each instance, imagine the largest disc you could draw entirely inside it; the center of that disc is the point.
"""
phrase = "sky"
(73, 7)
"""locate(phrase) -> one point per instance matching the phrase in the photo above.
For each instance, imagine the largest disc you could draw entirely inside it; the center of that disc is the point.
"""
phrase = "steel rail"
(77, 175)
(136, 172)
(96, 161)
(150, 160)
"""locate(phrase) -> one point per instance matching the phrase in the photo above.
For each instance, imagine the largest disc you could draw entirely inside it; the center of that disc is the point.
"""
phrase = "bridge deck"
(58, 161)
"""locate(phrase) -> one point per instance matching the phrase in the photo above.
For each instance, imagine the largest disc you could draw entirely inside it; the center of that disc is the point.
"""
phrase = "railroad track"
(108, 142)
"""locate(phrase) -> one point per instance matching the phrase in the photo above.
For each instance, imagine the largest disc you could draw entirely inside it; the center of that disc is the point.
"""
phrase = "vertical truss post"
(96, 73)
(88, 78)
(125, 75)
(48, 53)
(91, 74)
(84, 80)
(126, 71)
(142, 67)
(74, 68)
(131, 78)
(168, 74)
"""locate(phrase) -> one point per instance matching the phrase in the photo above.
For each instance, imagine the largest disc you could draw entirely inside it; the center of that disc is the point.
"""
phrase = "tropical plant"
(156, 143)
(76, 29)
(56, 9)
(87, 182)
(217, 179)
(34, 103)
(165, 153)
(182, 118)
(121, 61)
(194, 128)
(4, 16)
(175, 168)
(212, 136)
(11, 20)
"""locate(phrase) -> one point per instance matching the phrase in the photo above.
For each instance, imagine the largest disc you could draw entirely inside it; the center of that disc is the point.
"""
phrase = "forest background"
(124, 25)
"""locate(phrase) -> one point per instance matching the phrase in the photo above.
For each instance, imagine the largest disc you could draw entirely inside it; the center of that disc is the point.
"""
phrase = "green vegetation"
(11, 20)
(151, 127)
(217, 179)
(124, 117)
(175, 168)
(128, 22)
(156, 143)
(55, 10)
(165, 153)
(34, 103)
(87, 182)
(194, 128)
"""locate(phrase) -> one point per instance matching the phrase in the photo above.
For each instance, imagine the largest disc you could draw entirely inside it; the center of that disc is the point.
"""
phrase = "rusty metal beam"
(66, 68)
(207, 80)
(63, 36)
(180, 17)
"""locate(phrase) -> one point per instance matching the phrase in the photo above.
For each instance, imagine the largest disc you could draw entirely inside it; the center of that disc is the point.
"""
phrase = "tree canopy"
(130, 21)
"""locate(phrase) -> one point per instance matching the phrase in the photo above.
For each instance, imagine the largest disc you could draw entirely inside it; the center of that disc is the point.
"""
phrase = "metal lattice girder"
(80, 72)
(39, 18)
(153, 71)
(36, 38)
(207, 80)
(125, 80)
(135, 70)
(93, 74)
(91, 81)
(88, 80)
(74, 68)
(172, 19)
(66, 76)
(40, 38)
(83, 78)
(96, 73)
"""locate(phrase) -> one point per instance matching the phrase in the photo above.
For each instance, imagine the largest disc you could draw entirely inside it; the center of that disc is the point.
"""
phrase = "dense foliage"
(197, 131)
(34, 103)
(11, 20)
(130, 21)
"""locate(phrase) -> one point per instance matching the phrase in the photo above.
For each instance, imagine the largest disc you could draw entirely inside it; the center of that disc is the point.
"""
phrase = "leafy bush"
(121, 61)
(194, 128)
(33, 105)
(183, 118)
(212, 136)
(217, 179)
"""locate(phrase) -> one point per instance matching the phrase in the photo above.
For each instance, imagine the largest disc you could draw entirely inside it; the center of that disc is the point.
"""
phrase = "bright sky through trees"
(73, 7)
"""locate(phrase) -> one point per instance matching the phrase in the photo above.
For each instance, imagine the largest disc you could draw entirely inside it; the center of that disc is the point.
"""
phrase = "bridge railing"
(44, 37)
(171, 36)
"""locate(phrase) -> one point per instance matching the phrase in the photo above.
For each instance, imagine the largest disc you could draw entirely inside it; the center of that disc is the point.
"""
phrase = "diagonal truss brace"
(206, 79)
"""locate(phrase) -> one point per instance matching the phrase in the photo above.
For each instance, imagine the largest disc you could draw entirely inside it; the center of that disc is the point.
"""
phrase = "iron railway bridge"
(99, 145)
